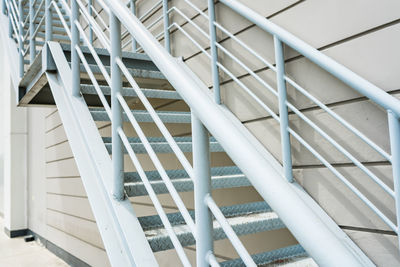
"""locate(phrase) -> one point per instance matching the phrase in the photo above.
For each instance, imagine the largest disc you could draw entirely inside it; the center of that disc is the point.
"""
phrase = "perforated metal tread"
(183, 183)
(136, 73)
(244, 219)
(160, 145)
(87, 89)
(99, 114)
(133, 177)
(278, 257)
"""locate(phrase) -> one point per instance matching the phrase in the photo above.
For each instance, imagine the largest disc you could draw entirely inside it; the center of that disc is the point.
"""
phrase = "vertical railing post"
(116, 123)
(202, 188)
(32, 43)
(394, 132)
(20, 37)
(90, 4)
(133, 9)
(166, 26)
(75, 62)
(48, 21)
(214, 52)
(283, 111)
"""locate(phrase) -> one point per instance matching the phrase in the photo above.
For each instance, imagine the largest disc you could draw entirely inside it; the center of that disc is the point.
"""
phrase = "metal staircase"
(83, 69)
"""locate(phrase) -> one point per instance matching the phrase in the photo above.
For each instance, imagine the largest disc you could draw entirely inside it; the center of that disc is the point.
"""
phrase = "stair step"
(160, 145)
(245, 219)
(56, 23)
(232, 178)
(133, 177)
(130, 92)
(135, 72)
(99, 114)
(56, 30)
(278, 257)
(56, 37)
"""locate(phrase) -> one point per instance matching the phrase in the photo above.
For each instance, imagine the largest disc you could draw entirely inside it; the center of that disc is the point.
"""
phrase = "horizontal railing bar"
(94, 81)
(94, 55)
(344, 180)
(89, 19)
(38, 26)
(157, 205)
(236, 243)
(100, 18)
(38, 10)
(212, 260)
(158, 165)
(339, 118)
(150, 10)
(342, 150)
(64, 23)
(181, 157)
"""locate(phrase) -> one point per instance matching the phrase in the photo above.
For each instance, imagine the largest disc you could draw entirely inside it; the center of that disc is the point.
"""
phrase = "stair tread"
(132, 177)
(160, 145)
(185, 184)
(245, 219)
(135, 72)
(278, 257)
(130, 92)
(104, 52)
(100, 114)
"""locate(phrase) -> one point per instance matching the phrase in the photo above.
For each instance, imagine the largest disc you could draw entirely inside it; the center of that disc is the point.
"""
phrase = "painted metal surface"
(202, 186)
(283, 111)
(116, 110)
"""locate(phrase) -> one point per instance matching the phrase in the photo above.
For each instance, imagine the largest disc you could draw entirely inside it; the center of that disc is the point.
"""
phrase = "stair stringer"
(122, 235)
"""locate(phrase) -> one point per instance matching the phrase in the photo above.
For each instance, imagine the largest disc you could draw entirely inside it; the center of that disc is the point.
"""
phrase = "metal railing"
(281, 36)
(81, 13)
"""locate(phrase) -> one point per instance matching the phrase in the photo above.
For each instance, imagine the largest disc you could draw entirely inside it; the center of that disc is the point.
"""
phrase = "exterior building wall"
(362, 35)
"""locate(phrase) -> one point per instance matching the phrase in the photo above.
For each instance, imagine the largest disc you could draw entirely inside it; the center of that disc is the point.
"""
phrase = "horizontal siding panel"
(66, 186)
(56, 136)
(85, 230)
(91, 255)
(76, 206)
(58, 152)
(62, 168)
(53, 120)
